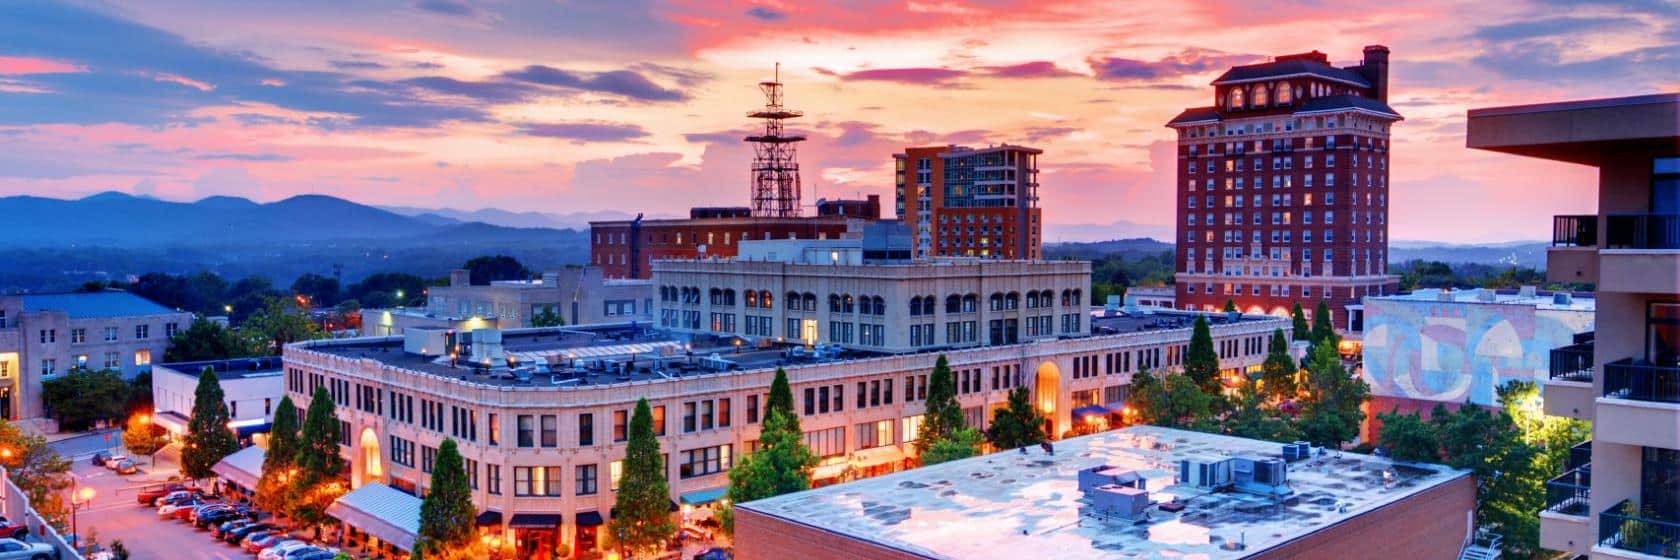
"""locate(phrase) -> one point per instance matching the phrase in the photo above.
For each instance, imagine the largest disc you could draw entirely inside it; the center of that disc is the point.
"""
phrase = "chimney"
(1375, 70)
(459, 277)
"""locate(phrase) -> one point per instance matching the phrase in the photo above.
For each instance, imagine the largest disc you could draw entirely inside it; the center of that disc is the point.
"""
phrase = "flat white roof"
(1014, 505)
(1574, 302)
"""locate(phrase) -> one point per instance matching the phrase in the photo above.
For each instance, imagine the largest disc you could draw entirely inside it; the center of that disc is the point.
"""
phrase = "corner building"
(1283, 188)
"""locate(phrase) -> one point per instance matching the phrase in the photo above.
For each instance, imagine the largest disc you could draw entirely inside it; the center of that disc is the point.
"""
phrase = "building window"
(527, 430)
(550, 430)
(586, 479)
(620, 425)
(493, 476)
(142, 332)
(142, 358)
(428, 456)
(586, 430)
(659, 420)
(705, 461)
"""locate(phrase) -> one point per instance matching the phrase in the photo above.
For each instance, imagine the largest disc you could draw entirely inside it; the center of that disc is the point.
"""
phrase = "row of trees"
(1317, 401)
(301, 467)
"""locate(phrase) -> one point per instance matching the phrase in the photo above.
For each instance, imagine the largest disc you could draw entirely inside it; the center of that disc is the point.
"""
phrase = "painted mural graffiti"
(1453, 351)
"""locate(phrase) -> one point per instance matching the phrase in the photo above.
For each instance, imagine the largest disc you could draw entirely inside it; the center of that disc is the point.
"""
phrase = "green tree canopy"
(321, 291)
(548, 318)
(1331, 410)
(279, 323)
(142, 436)
(278, 463)
(318, 462)
(389, 289)
(486, 269)
(1173, 401)
(1509, 472)
(208, 437)
(1018, 424)
(1230, 305)
(1278, 371)
(447, 513)
(964, 442)
(82, 396)
(1322, 330)
(1201, 361)
(781, 398)
(643, 522)
(1298, 322)
(781, 465)
(40, 472)
(1407, 437)
(1251, 417)
(944, 414)
(207, 340)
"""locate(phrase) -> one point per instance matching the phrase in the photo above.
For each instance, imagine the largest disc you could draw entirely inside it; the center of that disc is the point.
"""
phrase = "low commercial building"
(834, 293)
(541, 415)
(252, 386)
(624, 248)
(46, 335)
(1137, 492)
(1458, 346)
(577, 295)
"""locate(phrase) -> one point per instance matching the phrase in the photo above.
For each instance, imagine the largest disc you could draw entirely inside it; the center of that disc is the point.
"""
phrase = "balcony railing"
(1622, 527)
(1626, 379)
(1575, 231)
(1580, 455)
(1573, 363)
(1642, 231)
(1569, 493)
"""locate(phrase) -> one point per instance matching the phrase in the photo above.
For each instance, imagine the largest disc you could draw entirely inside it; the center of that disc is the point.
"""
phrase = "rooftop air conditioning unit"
(425, 342)
(1118, 501)
(487, 347)
(1205, 472)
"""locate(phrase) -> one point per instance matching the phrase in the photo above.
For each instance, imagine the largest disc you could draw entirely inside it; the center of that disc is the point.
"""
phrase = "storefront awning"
(243, 467)
(831, 470)
(590, 519)
(703, 497)
(535, 521)
(489, 518)
(878, 456)
(381, 511)
(1091, 410)
(172, 421)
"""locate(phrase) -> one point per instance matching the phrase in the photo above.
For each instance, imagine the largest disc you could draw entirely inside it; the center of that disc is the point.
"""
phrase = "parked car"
(150, 493)
(277, 551)
(216, 517)
(126, 466)
(183, 506)
(186, 514)
(112, 461)
(307, 551)
(99, 458)
(13, 549)
(236, 535)
(327, 554)
(257, 542)
(715, 553)
(223, 527)
(12, 530)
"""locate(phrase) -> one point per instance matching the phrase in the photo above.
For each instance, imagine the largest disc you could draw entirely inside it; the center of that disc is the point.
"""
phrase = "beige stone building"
(1621, 497)
(541, 414)
(579, 295)
(47, 335)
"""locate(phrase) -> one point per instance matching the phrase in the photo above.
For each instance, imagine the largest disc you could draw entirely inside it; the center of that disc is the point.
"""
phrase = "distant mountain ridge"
(120, 220)
(507, 218)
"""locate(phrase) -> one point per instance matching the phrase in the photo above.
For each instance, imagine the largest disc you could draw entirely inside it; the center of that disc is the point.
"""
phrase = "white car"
(278, 551)
(167, 510)
(13, 549)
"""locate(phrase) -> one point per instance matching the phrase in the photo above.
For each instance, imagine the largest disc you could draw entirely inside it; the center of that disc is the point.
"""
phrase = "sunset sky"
(632, 106)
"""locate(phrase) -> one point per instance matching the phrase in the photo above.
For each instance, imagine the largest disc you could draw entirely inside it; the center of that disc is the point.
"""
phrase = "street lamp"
(77, 499)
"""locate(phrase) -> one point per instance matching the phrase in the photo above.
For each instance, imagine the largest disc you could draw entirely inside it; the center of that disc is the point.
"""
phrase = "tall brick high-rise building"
(971, 202)
(1283, 187)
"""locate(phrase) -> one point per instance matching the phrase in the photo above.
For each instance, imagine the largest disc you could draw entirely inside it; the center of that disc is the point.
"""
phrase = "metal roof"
(243, 467)
(94, 305)
(1290, 67)
(383, 511)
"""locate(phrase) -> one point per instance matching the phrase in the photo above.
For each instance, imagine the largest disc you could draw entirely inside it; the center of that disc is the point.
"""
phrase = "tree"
(1408, 437)
(1508, 471)
(280, 460)
(482, 271)
(83, 396)
(1174, 401)
(944, 413)
(142, 436)
(208, 437)
(781, 465)
(1278, 371)
(40, 472)
(1298, 320)
(548, 318)
(389, 289)
(1322, 331)
(1554, 435)
(1230, 306)
(207, 340)
(963, 443)
(1201, 361)
(1252, 418)
(1018, 424)
(643, 522)
(447, 512)
(1331, 410)
(318, 462)
(781, 398)
(320, 291)
(279, 323)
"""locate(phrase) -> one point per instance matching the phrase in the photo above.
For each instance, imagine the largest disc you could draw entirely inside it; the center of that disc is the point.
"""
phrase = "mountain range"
(506, 218)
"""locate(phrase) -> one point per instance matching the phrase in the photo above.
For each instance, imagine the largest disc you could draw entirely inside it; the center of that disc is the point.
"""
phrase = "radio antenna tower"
(775, 182)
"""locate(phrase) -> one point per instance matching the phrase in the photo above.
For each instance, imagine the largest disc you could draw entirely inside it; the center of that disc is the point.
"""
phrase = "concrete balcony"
(1569, 390)
(1640, 253)
(1573, 256)
(1624, 533)
(1640, 405)
(1566, 521)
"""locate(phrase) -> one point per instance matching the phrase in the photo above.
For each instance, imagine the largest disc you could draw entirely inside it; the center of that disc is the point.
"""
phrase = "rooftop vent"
(1562, 298)
(487, 347)
(1528, 291)
(1486, 295)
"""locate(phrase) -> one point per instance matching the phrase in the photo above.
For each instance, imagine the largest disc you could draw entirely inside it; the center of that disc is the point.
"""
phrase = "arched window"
(810, 301)
(953, 303)
(1259, 98)
(847, 304)
(1012, 301)
(833, 303)
(793, 302)
(764, 300)
(916, 306)
(752, 298)
(880, 305)
(1032, 300)
(996, 302)
(971, 303)
(1285, 94)
(1236, 100)
(729, 297)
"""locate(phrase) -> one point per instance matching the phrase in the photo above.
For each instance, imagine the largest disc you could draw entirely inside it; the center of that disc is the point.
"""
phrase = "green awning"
(703, 497)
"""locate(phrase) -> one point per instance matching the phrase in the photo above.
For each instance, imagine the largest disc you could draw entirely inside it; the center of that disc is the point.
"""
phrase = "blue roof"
(94, 305)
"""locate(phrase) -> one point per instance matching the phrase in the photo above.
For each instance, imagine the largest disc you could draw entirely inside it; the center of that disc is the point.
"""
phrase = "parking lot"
(115, 514)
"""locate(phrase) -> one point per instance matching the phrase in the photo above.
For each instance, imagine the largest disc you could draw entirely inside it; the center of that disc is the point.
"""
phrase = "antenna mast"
(775, 182)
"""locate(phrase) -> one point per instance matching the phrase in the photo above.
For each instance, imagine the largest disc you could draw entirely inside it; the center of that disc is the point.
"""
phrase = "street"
(114, 514)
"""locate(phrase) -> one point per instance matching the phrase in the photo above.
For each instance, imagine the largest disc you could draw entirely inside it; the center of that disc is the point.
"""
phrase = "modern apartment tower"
(971, 202)
(1621, 496)
(1283, 187)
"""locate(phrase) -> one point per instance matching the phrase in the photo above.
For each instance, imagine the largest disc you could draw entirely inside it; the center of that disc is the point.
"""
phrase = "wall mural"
(1450, 351)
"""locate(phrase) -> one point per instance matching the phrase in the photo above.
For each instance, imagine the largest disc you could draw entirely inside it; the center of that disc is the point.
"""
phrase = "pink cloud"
(20, 65)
